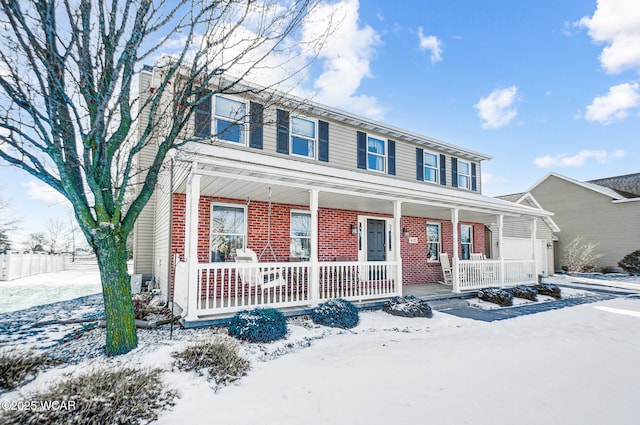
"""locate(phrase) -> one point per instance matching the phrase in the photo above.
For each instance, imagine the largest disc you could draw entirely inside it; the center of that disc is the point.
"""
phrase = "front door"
(376, 240)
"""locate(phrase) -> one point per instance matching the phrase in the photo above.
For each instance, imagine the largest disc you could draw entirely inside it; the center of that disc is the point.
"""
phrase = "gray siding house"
(604, 211)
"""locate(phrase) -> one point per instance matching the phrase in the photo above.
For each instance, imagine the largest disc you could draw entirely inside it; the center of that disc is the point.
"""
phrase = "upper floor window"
(230, 116)
(464, 174)
(376, 156)
(228, 231)
(303, 137)
(434, 241)
(430, 163)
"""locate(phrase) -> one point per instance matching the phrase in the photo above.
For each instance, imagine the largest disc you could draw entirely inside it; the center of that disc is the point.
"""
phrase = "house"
(517, 237)
(604, 211)
(330, 204)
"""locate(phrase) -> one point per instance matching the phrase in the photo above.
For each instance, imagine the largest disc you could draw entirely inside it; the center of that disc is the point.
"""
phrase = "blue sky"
(541, 86)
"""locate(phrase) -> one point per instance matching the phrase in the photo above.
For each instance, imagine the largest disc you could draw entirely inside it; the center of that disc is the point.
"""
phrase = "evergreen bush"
(498, 296)
(524, 292)
(408, 306)
(631, 263)
(549, 289)
(259, 325)
(336, 313)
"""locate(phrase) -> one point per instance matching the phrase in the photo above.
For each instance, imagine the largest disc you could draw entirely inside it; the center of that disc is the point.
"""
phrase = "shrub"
(607, 269)
(579, 256)
(121, 396)
(524, 292)
(336, 313)
(220, 358)
(259, 325)
(408, 306)
(498, 296)
(631, 263)
(20, 367)
(549, 289)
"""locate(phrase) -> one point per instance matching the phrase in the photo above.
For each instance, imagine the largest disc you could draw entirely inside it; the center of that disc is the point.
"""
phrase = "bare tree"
(70, 113)
(8, 223)
(57, 235)
(580, 256)
(36, 242)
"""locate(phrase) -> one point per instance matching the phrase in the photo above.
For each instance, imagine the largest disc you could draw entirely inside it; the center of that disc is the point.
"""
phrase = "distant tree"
(8, 222)
(57, 235)
(71, 115)
(36, 242)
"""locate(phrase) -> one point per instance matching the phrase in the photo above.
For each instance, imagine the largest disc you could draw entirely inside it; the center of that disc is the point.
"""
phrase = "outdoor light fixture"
(354, 229)
(405, 232)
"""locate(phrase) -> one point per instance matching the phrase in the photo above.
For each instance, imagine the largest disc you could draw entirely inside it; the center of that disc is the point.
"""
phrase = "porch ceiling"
(240, 175)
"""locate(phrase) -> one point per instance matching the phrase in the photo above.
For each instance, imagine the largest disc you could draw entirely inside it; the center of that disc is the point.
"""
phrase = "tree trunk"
(111, 251)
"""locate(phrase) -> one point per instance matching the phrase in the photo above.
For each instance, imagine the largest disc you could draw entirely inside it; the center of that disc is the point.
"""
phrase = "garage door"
(518, 249)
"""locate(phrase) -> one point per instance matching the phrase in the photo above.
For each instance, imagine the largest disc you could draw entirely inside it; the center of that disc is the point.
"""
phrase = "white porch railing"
(477, 274)
(14, 265)
(222, 288)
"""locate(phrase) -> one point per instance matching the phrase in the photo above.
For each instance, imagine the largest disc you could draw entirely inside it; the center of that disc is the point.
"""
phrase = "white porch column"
(314, 272)
(454, 257)
(501, 246)
(397, 232)
(534, 230)
(191, 243)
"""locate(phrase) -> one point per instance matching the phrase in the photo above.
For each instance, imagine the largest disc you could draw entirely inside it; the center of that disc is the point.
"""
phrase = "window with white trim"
(300, 235)
(376, 154)
(466, 240)
(228, 231)
(434, 241)
(230, 116)
(464, 174)
(303, 137)
(430, 161)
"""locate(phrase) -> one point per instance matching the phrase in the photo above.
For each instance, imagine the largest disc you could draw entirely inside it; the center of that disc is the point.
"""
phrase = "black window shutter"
(323, 141)
(454, 172)
(474, 182)
(255, 125)
(419, 164)
(202, 116)
(391, 158)
(443, 170)
(282, 145)
(362, 150)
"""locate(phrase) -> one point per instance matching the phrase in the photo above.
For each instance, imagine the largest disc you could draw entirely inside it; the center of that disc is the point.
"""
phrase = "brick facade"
(336, 242)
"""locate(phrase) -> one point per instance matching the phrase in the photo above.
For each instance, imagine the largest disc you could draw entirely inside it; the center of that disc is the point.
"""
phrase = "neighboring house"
(517, 237)
(604, 211)
(332, 204)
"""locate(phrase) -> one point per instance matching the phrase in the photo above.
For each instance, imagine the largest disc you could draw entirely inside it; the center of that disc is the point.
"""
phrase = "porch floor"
(427, 290)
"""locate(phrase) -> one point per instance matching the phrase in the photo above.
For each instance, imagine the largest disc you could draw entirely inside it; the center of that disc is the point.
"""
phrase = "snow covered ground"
(19, 294)
(575, 365)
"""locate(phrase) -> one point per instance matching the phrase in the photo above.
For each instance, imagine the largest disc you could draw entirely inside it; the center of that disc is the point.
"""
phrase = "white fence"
(14, 265)
(218, 288)
(478, 274)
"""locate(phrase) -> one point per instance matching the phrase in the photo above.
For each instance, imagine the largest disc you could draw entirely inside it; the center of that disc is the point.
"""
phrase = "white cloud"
(431, 43)
(41, 192)
(578, 160)
(616, 23)
(615, 105)
(497, 109)
(345, 58)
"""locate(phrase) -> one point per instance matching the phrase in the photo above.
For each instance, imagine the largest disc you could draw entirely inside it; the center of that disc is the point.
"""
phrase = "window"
(464, 174)
(376, 157)
(300, 235)
(466, 239)
(434, 242)
(430, 162)
(228, 231)
(230, 116)
(303, 137)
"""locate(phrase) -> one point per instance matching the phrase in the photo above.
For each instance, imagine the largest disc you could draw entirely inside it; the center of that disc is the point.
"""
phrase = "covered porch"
(204, 289)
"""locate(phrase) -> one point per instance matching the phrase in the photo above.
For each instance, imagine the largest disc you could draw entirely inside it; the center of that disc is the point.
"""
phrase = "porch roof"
(242, 174)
